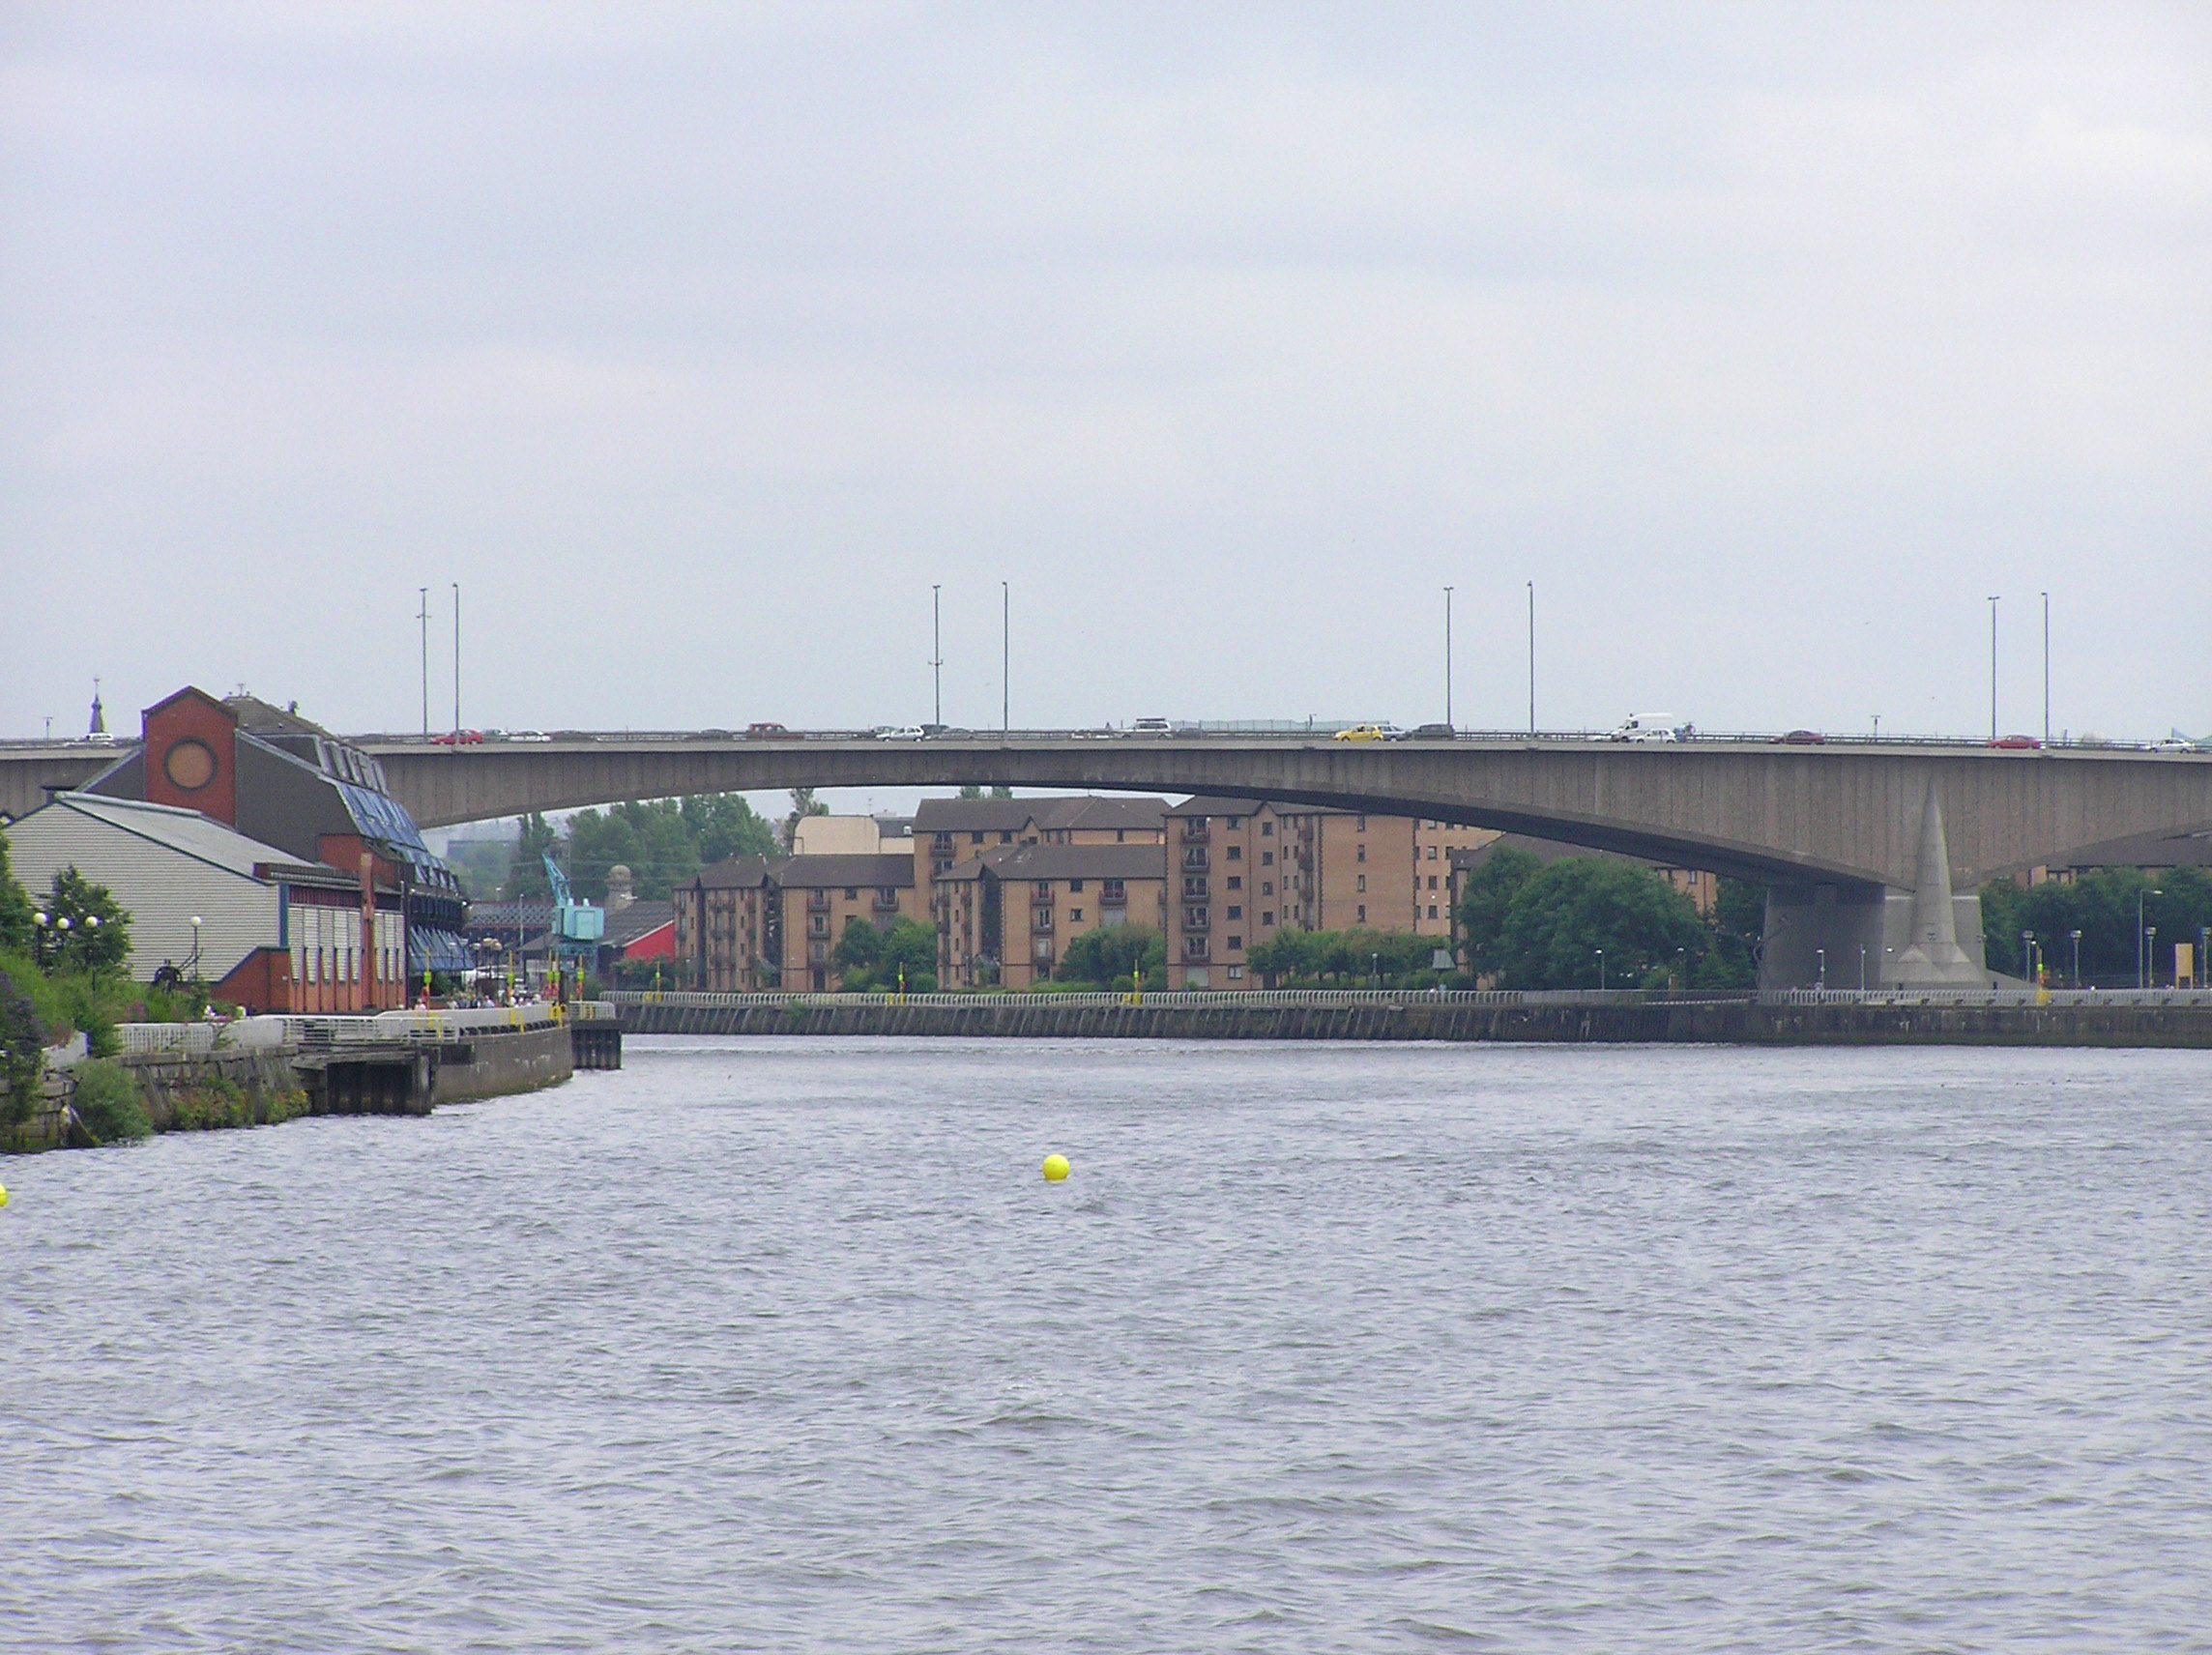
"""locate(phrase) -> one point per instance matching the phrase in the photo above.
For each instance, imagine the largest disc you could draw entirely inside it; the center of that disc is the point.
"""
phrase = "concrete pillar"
(1923, 938)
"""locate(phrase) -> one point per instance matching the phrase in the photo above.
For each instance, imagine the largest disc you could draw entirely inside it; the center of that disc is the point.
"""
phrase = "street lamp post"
(2143, 949)
(1601, 970)
(1375, 965)
(1862, 968)
(1992, 669)
(2075, 937)
(1823, 955)
(2027, 963)
(1447, 657)
(937, 654)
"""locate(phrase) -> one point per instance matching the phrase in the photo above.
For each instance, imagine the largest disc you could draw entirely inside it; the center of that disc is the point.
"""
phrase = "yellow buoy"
(3, 1195)
(1055, 1168)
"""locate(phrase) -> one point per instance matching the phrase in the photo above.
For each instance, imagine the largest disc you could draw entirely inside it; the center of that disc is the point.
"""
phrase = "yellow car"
(1363, 732)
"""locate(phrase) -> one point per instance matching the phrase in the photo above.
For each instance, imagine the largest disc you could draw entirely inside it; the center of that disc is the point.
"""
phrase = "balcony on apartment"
(1196, 833)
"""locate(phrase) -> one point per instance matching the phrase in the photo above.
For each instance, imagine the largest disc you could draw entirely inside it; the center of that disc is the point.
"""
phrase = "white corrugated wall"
(161, 889)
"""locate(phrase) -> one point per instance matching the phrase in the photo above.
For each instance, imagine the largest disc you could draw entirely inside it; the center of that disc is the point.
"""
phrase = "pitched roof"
(963, 815)
(625, 925)
(732, 873)
(1216, 804)
(1092, 813)
(185, 832)
(1076, 861)
(818, 871)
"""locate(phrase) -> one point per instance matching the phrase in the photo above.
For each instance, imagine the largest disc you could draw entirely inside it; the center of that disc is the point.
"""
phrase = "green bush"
(22, 1052)
(106, 1102)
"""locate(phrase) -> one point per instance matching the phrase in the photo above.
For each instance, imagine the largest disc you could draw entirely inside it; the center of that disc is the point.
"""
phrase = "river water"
(785, 1345)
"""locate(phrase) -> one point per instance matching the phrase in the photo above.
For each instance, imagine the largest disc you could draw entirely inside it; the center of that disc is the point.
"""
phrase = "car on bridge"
(1383, 731)
(766, 729)
(2017, 743)
(898, 732)
(457, 739)
(1800, 738)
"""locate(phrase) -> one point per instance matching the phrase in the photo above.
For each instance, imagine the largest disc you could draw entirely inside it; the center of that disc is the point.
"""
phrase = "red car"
(457, 738)
(2017, 743)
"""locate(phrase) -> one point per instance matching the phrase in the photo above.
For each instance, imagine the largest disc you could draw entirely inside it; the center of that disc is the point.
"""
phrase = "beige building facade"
(1006, 916)
(752, 924)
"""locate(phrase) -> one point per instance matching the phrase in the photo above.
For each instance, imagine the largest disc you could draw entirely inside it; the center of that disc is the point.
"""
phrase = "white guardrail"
(381, 1027)
(1341, 997)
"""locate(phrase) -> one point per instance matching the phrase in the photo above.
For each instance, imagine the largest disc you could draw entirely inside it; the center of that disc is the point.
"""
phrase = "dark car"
(763, 730)
(1802, 739)
(1433, 733)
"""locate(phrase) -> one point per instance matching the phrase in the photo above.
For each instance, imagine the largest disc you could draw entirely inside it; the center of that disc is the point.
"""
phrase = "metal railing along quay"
(1191, 999)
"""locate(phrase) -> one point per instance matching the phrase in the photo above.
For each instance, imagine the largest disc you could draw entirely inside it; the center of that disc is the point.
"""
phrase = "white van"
(1650, 727)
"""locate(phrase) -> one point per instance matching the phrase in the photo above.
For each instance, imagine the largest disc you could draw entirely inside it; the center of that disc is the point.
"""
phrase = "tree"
(526, 879)
(803, 804)
(1350, 958)
(1561, 917)
(974, 790)
(1109, 955)
(2102, 906)
(96, 938)
(1735, 937)
(872, 957)
(724, 824)
(1487, 899)
(649, 838)
(14, 909)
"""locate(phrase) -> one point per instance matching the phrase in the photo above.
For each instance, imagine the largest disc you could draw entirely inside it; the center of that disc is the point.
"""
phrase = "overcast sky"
(696, 342)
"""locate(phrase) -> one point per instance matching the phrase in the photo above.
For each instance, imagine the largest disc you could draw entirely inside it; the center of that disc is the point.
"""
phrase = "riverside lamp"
(2075, 937)
(2143, 948)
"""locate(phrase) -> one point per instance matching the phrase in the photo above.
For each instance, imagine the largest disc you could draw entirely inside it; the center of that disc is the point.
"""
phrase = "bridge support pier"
(1804, 921)
(1841, 934)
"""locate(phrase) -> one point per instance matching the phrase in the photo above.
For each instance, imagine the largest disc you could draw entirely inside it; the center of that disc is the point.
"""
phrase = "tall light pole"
(1006, 658)
(2143, 953)
(457, 659)
(1601, 970)
(1992, 669)
(2047, 669)
(423, 614)
(937, 654)
(1447, 657)
(1531, 657)
(2075, 937)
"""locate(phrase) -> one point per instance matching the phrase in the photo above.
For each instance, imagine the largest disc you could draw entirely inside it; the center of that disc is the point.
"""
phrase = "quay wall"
(1563, 1018)
(494, 1065)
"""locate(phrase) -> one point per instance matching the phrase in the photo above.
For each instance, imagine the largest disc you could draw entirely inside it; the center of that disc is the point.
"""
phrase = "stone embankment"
(1807, 1017)
(267, 1070)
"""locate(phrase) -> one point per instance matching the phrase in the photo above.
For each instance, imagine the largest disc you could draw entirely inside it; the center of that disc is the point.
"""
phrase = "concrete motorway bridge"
(1857, 842)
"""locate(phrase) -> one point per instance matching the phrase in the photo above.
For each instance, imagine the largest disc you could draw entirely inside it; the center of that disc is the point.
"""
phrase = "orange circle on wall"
(189, 764)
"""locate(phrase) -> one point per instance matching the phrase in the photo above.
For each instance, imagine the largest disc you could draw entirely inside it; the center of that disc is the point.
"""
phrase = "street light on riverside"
(2142, 950)
(1601, 970)
(2075, 937)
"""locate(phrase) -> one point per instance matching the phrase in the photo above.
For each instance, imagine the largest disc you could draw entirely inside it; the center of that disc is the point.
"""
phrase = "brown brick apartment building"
(1008, 916)
(754, 922)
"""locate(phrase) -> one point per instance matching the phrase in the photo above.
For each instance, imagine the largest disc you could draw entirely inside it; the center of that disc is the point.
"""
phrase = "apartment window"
(1120, 836)
(1361, 825)
(1235, 853)
(1267, 887)
(852, 894)
(1266, 917)
(938, 869)
(1266, 858)
(1266, 830)
(819, 924)
(1363, 914)
(1234, 913)
(1006, 836)
(975, 838)
(1362, 882)
(1235, 973)
(1363, 855)
(1432, 882)
(1431, 910)
(1194, 947)
(1075, 915)
(1112, 891)
(1235, 881)
(941, 841)
(1074, 887)
(1432, 853)
(1235, 943)
(1194, 887)
(1236, 822)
